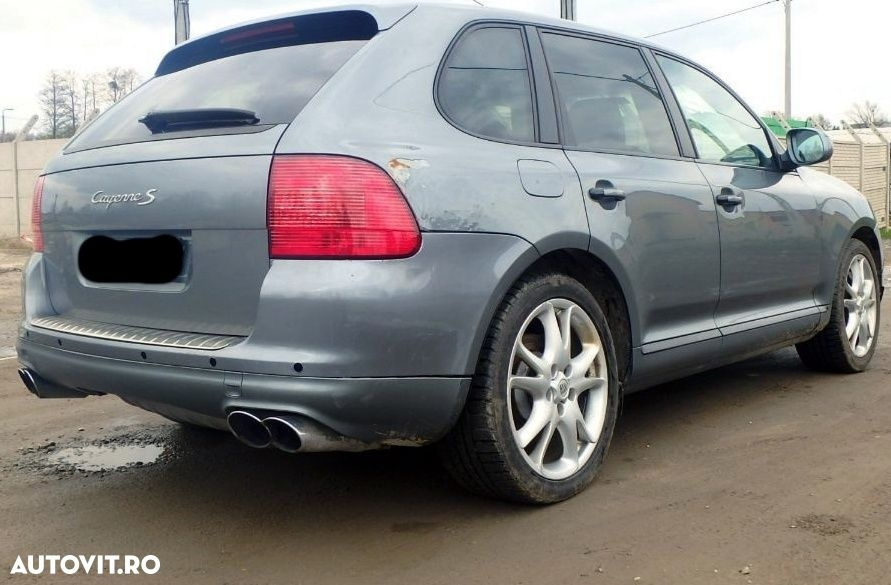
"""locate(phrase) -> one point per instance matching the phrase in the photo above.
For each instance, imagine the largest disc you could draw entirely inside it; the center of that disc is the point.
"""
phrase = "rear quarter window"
(485, 89)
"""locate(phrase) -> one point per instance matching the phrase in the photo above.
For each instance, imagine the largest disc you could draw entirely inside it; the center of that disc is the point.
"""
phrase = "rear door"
(769, 222)
(164, 225)
(647, 205)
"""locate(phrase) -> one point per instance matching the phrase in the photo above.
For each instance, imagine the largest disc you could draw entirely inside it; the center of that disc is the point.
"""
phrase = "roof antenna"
(480, 3)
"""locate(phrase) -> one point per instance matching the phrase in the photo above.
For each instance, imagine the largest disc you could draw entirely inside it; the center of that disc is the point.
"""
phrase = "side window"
(721, 127)
(608, 97)
(485, 87)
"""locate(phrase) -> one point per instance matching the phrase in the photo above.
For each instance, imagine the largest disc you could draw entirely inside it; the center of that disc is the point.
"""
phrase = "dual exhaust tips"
(289, 433)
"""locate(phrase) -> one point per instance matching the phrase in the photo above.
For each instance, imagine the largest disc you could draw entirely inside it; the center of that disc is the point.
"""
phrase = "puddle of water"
(106, 457)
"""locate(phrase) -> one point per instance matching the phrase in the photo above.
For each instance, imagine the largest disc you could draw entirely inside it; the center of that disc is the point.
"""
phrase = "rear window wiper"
(198, 118)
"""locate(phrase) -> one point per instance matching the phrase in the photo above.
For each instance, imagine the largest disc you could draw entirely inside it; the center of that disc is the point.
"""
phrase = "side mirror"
(807, 146)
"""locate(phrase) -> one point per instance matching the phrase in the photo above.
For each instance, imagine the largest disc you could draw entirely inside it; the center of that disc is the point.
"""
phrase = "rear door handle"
(605, 191)
(729, 197)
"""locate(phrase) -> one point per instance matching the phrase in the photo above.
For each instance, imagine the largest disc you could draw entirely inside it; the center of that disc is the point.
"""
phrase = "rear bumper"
(378, 351)
(423, 316)
(377, 411)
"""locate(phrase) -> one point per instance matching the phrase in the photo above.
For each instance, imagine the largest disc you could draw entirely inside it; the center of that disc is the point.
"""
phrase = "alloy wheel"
(557, 389)
(861, 298)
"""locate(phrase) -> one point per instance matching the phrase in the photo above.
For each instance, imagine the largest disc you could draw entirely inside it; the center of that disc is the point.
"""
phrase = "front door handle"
(729, 197)
(606, 191)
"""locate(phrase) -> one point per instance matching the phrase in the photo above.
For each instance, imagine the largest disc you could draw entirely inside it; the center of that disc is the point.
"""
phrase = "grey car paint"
(225, 211)
(664, 238)
(767, 243)
(386, 349)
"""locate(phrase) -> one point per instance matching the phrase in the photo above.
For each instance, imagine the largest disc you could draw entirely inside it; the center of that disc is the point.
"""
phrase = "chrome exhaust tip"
(249, 429)
(294, 433)
(284, 433)
(28, 380)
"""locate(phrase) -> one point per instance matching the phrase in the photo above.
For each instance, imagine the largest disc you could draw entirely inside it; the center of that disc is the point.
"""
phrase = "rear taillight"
(36, 206)
(337, 207)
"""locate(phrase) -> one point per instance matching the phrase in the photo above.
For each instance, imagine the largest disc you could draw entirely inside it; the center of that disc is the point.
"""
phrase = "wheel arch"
(597, 275)
(867, 235)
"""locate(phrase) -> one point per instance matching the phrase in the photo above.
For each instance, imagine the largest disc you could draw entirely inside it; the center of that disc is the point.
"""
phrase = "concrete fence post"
(15, 187)
(887, 142)
(23, 132)
(859, 140)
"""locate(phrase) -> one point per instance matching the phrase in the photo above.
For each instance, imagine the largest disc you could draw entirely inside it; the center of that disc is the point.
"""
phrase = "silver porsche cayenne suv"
(397, 225)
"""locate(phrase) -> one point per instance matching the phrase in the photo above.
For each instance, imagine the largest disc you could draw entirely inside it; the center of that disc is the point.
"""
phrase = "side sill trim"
(664, 344)
(763, 322)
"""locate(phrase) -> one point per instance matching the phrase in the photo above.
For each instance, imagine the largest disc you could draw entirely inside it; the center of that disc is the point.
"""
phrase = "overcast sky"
(840, 47)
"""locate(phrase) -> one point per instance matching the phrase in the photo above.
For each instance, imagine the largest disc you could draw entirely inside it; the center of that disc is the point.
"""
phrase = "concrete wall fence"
(862, 159)
(20, 165)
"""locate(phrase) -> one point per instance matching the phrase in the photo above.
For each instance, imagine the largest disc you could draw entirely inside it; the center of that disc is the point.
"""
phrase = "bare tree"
(91, 101)
(71, 96)
(68, 99)
(866, 114)
(821, 121)
(85, 98)
(52, 104)
(120, 81)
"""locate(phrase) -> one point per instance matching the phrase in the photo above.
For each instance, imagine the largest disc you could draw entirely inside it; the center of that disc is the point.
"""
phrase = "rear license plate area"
(155, 260)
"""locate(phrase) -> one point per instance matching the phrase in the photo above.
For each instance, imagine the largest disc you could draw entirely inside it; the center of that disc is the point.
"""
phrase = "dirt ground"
(759, 473)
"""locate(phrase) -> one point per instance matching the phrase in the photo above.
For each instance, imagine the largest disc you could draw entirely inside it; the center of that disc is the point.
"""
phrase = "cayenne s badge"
(101, 198)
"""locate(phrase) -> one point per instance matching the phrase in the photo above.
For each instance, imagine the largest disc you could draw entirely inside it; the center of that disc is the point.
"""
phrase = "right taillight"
(36, 206)
(337, 207)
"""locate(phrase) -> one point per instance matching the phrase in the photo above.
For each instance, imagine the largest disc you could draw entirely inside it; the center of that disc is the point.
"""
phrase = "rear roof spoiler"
(341, 23)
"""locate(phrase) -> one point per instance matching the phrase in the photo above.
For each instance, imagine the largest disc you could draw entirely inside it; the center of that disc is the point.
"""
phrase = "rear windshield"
(274, 83)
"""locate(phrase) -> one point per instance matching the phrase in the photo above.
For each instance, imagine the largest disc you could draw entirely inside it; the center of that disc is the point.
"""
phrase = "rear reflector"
(337, 207)
(36, 206)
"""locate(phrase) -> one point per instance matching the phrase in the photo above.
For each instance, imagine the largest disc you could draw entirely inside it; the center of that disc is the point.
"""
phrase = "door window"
(485, 87)
(608, 98)
(722, 128)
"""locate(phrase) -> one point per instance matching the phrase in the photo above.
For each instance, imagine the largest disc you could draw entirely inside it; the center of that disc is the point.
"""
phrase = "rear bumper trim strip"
(143, 335)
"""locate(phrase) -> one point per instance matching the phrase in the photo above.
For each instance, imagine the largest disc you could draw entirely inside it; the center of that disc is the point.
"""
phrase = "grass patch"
(886, 233)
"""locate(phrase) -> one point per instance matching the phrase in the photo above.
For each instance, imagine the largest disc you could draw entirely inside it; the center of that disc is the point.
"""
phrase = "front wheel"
(544, 400)
(848, 342)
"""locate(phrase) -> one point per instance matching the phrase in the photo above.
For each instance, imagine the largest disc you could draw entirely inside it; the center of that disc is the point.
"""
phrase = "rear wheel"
(544, 400)
(848, 342)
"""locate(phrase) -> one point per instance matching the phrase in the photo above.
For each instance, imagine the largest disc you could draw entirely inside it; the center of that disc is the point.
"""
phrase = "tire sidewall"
(533, 295)
(854, 248)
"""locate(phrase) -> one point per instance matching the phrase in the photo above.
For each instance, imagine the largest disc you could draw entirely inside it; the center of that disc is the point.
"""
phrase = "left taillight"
(337, 207)
(36, 207)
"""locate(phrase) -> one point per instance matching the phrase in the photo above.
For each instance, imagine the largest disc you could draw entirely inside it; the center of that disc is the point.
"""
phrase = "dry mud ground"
(759, 473)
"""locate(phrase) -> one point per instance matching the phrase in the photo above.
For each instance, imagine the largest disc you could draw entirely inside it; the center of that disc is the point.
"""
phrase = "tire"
(483, 451)
(833, 349)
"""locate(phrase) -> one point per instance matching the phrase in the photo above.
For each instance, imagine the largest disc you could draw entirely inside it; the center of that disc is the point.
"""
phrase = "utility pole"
(788, 5)
(567, 9)
(181, 16)
(3, 115)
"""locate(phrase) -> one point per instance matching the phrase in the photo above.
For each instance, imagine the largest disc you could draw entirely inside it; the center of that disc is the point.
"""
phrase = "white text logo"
(86, 565)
